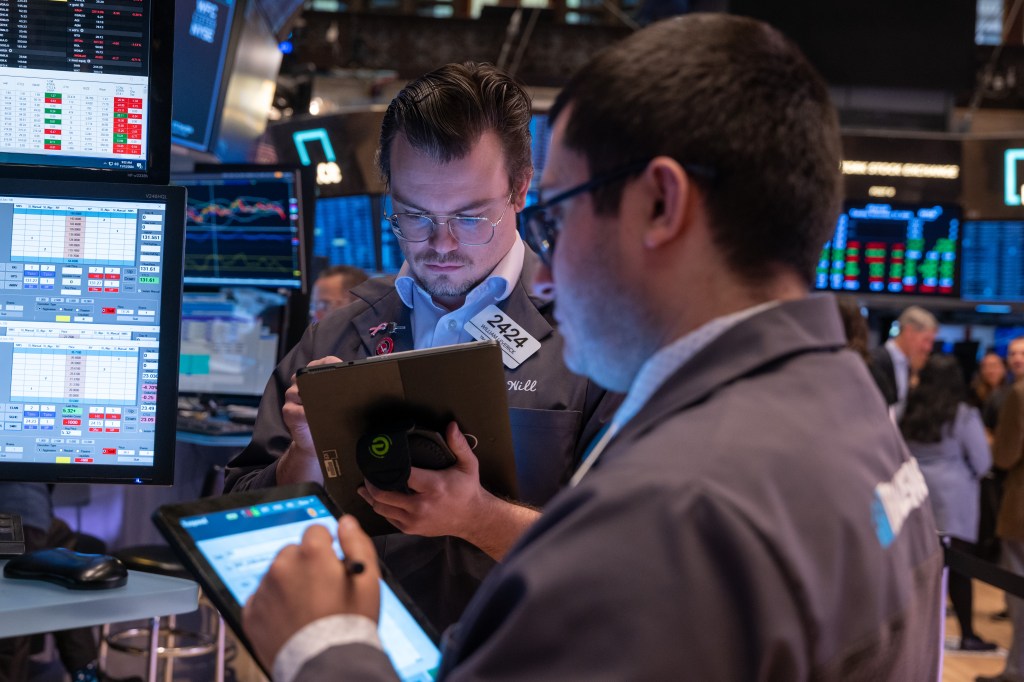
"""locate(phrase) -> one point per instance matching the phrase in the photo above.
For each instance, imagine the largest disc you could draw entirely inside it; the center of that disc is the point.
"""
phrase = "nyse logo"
(328, 172)
(1012, 176)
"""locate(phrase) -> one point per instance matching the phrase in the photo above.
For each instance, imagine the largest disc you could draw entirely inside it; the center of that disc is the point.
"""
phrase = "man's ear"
(519, 193)
(669, 191)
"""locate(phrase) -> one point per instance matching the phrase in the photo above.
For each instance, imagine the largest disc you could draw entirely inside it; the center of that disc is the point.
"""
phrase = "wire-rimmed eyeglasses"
(466, 230)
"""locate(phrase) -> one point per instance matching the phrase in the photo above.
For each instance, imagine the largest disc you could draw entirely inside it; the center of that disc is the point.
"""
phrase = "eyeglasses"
(540, 225)
(465, 229)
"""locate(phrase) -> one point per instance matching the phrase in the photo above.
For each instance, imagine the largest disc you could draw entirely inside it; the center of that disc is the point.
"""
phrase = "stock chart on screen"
(242, 229)
(893, 249)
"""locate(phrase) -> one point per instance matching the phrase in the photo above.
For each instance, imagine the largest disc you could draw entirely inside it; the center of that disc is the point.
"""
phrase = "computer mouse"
(70, 569)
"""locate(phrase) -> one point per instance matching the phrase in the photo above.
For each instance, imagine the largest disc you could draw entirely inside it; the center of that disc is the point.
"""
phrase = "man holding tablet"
(455, 151)
(751, 513)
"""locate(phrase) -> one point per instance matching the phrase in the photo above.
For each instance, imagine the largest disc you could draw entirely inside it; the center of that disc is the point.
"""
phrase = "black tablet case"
(463, 383)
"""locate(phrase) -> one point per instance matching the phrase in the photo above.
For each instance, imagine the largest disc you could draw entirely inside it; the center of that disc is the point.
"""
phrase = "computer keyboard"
(212, 427)
(12, 535)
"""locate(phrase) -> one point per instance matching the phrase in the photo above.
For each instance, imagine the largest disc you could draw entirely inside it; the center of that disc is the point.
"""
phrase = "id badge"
(516, 343)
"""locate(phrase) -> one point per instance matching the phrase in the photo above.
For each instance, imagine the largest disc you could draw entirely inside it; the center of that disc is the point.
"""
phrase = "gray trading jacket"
(729, 532)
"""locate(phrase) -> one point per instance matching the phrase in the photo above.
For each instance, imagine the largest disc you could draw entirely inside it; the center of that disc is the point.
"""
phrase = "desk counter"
(31, 606)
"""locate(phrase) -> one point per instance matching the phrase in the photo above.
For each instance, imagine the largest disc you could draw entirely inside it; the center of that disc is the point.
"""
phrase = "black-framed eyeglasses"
(540, 227)
(466, 230)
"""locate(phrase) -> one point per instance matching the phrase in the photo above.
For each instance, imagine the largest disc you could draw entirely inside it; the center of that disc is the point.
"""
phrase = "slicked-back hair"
(732, 94)
(445, 112)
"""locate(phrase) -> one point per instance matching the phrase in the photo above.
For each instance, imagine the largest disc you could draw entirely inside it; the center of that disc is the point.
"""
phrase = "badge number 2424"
(516, 343)
(508, 330)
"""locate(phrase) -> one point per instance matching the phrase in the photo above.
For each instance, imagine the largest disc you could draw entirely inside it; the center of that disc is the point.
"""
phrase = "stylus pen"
(353, 567)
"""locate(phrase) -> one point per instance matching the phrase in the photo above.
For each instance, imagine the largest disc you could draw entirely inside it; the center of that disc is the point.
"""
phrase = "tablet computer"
(425, 389)
(228, 543)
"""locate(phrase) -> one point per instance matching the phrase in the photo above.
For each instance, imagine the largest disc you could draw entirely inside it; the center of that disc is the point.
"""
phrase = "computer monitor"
(205, 34)
(391, 256)
(347, 231)
(226, 348)
(993, 260)
(89, 330)
(893, 249)
(245, 228)
(86, 89)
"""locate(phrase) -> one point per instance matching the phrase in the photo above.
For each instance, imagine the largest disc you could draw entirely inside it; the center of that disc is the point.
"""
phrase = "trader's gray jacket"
(759, 519)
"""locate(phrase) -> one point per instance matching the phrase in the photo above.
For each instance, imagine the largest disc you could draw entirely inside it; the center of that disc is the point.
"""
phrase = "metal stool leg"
(219, 672)
(101, 656)
(154, 649)
(172, 622)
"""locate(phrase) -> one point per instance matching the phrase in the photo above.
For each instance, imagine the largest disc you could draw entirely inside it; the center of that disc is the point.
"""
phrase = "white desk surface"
(31, 606)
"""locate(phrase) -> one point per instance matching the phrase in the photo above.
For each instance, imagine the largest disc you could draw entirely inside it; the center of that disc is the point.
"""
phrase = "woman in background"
(947, 437)
(989, 388)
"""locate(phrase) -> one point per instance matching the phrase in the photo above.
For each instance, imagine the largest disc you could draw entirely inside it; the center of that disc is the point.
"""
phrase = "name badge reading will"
(516, 343)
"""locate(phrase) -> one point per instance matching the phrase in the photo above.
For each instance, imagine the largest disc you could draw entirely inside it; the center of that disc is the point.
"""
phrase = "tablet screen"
(240, 543)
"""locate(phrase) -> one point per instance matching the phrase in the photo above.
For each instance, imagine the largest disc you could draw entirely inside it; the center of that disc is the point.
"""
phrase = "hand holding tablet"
(230, 542)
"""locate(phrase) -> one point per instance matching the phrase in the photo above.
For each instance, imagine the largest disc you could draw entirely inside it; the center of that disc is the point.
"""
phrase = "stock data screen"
(79, 329)
(74, 82)
(893, 249)
(993, 260)
(346, 230)
(243, 229)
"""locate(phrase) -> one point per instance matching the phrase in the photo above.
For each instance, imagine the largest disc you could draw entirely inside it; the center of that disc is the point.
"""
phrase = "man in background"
(750, 513)
(1008, 457)
(331, 290)
(895, 364)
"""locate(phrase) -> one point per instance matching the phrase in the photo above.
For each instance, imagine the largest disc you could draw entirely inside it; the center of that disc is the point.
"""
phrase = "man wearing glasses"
(455, 151)
(751, 513)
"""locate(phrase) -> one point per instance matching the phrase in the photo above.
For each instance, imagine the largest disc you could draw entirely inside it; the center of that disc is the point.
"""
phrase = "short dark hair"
(445, 112)
(353, 276)
(732, 94)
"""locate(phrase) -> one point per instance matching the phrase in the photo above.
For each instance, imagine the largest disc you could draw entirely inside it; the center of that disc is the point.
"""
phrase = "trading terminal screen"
(993, 260)
(893, 249)
(244, 228)
(346, 230)
(78, 83)
(226, 349)
(88, 314)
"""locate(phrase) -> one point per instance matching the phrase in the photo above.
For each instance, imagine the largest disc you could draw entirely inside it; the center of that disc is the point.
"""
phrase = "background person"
(947, 437)
(332, 287)
(895, 364)
(1008, 456)
(988, 389)
(987, 392)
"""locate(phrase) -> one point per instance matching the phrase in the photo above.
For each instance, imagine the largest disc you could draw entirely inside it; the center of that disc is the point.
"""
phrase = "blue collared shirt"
(433, 325)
